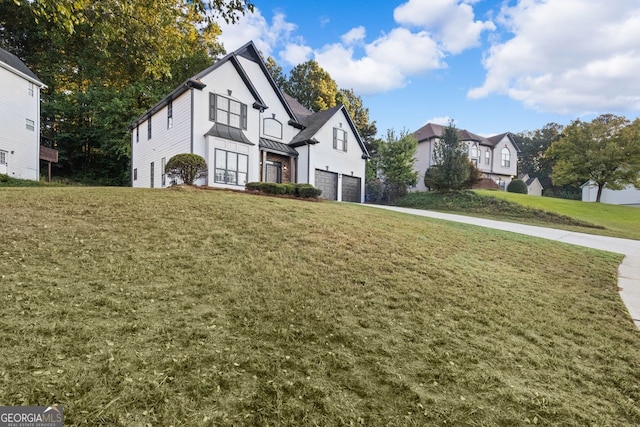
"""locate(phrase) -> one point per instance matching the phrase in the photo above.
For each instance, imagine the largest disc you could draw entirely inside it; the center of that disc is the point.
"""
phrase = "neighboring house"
(627, 196)
(534, 186)
(248, 130)
(496, 156)
(20, 118)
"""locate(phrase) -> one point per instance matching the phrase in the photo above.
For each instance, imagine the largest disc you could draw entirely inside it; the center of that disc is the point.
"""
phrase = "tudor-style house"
(496, 156)
(20, 116)
(235, 117)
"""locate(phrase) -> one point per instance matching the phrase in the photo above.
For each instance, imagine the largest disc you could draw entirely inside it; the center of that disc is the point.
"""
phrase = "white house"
(248, 130)
(627, 196)
(20, 118)
(496, 156)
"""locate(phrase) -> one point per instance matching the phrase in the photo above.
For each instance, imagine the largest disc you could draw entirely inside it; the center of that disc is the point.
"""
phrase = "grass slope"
(154, 307)
(617, 221)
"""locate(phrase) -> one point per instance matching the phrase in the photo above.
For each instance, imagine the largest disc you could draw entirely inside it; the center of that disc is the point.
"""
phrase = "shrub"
(517, 186)
(298, 190)
(187, 167)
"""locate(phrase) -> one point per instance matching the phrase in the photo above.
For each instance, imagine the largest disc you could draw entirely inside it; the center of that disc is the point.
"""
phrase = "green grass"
(203, 308)
(617, 221)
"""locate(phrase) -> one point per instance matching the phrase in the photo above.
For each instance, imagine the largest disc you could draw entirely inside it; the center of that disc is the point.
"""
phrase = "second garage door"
(328, 183)
(350, 189)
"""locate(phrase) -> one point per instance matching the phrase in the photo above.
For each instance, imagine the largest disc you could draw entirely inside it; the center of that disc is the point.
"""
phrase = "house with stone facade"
(248, 130)
(495, 156)
(20, 114)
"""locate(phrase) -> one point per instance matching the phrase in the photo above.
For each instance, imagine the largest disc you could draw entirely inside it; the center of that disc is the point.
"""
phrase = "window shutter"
(335, 138)
(345, 141)
(243, 116)
(212, 107)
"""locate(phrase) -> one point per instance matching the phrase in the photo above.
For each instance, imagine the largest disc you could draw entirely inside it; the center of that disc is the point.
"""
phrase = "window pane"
(223, 117)
(242, 178)
(223, 103)
(234, 107)
(243, 162)
(234, 121)
(219, 175)
(231, 177)
(221, 159)
(232, 161)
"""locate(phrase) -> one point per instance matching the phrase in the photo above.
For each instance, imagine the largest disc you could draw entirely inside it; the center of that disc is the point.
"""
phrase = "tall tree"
(360, 115)
(276, 72)
(533, 145)
(451, 170)
(312, 86)
(396, 158)
(107, 63)
(605, 151)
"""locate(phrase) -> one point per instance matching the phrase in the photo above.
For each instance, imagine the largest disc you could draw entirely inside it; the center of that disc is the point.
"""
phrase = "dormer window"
(227, 111)
(339, 139)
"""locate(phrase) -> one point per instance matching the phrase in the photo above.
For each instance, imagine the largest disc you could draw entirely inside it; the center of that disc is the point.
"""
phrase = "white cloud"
(568, 56)
(442, 120)
(253, 26)
(387, 63)
(355, 35)
(451, 22)
(294, 54)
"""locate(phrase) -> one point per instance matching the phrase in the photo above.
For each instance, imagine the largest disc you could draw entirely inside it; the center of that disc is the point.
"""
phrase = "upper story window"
(474, 151)
(169, 114)
(30, 124)
(506, 158)
(487, 157)
(272, 127)
(149, 128)
(31, 88)
(340, 139)
(227, 111)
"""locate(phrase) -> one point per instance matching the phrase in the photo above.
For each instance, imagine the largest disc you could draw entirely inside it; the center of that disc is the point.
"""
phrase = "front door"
(274, 171)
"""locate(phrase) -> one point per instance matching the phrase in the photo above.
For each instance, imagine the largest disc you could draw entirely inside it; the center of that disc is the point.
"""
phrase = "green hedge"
(518, 186)
(306, 191)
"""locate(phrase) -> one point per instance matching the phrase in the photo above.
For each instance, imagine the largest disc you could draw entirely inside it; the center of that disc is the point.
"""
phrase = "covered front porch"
(278, 162)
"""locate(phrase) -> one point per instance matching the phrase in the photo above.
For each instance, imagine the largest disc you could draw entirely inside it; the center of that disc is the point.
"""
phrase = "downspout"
(309, 164)
(191, 134)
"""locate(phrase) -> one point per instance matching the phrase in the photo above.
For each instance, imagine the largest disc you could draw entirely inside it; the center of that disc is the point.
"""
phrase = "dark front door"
(274, 171)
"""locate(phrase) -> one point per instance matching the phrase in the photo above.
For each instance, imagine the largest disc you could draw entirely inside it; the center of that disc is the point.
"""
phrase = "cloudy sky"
(490, 65)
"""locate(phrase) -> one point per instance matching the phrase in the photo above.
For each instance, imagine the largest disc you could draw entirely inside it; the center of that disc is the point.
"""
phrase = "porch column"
(264, 167)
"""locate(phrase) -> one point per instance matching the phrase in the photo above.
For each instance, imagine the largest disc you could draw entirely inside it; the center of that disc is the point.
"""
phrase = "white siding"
(325, 157)
(628, 196)
(163, 143)
(22, 146)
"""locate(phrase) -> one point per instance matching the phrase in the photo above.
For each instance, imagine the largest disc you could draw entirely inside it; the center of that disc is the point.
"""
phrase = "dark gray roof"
(300, 111)
(277, 147)
(432, 130)
(228, 132)
(313, 124)
(14, 62)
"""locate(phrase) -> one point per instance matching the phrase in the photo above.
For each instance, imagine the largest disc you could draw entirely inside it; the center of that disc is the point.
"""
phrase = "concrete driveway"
(628, 271)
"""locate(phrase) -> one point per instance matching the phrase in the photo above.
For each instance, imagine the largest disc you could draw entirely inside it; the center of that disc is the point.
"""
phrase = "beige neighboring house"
(534, 186)
(19, 118)
(495, 156)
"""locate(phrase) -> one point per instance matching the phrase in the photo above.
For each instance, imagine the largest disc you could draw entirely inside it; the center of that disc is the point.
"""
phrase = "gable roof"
(432, 130)
(315, 121)
(248, 51)
(300, 111)
(9, 60)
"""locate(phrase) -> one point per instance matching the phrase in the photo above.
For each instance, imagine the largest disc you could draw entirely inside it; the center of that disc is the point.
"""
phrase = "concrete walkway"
(628, 271)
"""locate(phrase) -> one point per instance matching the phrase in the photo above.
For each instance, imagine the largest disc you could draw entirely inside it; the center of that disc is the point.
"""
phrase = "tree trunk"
(600, 187)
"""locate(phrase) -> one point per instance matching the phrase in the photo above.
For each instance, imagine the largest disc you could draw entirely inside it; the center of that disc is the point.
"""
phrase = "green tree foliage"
(276, 72)
(396, 158)
(517, 186)
(451, 170)
(533, 145)
(606, 151)
(188, 168)
(118, 60)
(312, 86)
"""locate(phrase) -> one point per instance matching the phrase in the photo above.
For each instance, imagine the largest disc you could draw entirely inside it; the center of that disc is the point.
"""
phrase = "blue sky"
(490, 65)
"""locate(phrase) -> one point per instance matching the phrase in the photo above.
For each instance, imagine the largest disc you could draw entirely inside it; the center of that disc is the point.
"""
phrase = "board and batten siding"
(21, 145)
(164, 142)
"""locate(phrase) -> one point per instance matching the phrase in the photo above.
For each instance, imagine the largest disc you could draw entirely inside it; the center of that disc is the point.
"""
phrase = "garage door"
(350, 189)
(328, 183)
